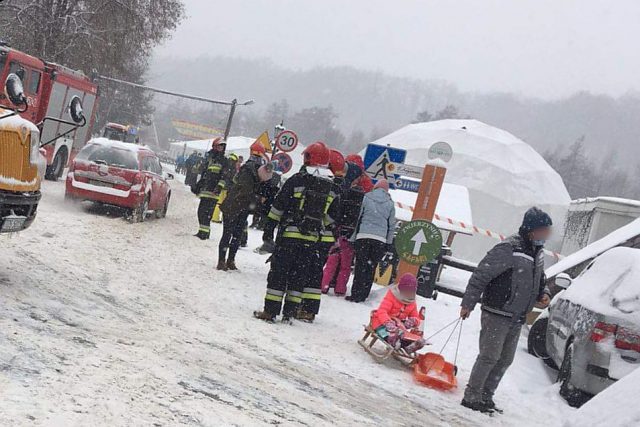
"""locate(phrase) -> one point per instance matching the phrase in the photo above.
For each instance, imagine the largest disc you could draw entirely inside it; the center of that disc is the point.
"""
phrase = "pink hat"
(382, 183)
(408, 282)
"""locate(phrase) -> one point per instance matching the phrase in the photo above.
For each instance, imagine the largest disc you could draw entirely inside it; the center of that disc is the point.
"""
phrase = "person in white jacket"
(373, 235)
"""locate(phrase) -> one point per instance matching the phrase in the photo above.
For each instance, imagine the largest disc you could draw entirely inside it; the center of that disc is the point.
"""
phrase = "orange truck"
(22, 155)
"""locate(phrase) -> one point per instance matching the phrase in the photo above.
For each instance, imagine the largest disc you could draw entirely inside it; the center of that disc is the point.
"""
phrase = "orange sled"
(433, 371)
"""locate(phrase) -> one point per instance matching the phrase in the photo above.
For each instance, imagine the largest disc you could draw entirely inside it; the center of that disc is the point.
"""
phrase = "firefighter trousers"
(232, 234)
(312, 287)
(291, 263)
(205, 210)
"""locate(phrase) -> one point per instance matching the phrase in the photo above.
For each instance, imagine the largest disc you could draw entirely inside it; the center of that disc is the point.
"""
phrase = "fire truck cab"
(118, 132)
(49, 88)
(22, 161)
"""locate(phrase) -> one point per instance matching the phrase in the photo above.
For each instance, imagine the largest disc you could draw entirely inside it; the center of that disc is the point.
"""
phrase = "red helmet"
(355, 158)
(257, 149)
(218, 142)
(316, 154)
(337, 165)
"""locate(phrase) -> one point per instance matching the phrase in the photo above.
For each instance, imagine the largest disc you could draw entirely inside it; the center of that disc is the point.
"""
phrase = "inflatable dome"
(504, 175)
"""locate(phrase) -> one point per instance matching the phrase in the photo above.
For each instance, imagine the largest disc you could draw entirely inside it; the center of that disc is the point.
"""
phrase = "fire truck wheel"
(55, 169)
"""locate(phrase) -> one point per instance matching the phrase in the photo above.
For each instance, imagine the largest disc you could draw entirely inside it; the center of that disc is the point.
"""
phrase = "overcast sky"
(543, 48)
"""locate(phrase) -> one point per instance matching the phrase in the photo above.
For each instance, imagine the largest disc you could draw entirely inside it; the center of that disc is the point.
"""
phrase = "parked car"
(120, 174)
(591, 330)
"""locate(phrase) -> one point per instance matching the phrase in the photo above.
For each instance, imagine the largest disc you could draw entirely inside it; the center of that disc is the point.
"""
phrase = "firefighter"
(310, 302)
(241, 201)
(302, 209)
(215, 173)
(234, 162)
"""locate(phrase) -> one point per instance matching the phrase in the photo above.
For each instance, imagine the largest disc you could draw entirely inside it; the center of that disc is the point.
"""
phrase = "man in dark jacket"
(216, 172)
(241, 200)
(508, 282)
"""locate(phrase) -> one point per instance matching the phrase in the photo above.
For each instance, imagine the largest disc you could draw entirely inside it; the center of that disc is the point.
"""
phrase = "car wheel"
(161, 213)
(54, 171)
(140, 213)
(574, 396)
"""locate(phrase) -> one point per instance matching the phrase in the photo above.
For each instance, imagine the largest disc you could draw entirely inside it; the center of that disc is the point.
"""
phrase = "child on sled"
(398, 315)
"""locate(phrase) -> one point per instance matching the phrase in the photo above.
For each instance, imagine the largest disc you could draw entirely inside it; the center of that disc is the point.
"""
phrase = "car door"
(164, 185)
(151, 169)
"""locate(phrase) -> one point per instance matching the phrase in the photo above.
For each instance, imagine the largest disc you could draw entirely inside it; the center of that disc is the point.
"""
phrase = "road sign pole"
(428, 195)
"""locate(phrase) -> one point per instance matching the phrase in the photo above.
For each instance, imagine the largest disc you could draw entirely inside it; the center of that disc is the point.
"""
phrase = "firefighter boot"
(231, 265)
(263, 315)
(305, 316)
(222, 266)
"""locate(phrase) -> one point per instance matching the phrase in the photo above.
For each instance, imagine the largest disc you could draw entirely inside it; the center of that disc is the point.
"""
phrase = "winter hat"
(534, 218)
(408, 283)
(382, 183)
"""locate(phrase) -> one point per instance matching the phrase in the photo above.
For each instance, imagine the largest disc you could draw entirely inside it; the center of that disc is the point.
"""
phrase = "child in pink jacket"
(398, 313)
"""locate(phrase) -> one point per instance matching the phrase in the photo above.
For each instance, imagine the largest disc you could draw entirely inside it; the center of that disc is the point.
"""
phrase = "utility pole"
(233, 104)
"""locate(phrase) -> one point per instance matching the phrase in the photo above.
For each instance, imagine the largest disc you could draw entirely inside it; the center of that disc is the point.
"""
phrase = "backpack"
(313, 204)
(351, 202)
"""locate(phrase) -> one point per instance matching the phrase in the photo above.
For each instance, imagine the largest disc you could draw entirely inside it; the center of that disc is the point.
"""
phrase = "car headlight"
(34, 149)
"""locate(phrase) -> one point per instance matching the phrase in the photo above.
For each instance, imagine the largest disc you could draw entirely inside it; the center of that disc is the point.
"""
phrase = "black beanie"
(534, 218)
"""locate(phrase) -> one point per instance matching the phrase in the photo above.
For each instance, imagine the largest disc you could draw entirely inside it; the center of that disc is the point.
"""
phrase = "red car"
(120, 174)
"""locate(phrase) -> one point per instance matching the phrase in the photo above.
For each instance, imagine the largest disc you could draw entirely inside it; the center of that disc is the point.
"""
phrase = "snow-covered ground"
(103, 322)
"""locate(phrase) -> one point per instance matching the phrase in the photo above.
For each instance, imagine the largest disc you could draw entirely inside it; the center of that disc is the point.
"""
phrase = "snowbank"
(615, 238)
(504, 175)
(610, 286)
(616, 406)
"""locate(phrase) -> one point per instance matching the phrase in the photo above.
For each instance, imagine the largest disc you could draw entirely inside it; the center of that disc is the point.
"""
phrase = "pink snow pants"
(339, 262)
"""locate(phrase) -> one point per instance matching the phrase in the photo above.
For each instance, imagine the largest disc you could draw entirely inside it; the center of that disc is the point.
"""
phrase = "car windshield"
(110, 156)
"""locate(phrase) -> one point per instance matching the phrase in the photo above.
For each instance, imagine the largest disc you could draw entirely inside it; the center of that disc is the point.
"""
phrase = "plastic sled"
(433, 371)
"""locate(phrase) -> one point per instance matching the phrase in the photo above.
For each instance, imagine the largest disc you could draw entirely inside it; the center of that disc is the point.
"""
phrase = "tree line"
(114, 37)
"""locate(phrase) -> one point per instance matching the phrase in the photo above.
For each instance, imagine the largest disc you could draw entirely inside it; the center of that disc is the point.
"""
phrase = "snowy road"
(109, 323)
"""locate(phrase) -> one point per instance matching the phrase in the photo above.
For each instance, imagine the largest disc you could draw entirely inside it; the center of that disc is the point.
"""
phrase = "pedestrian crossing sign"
(376, 159)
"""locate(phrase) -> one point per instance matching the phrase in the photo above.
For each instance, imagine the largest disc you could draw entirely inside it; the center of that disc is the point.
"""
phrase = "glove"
(391, 326)
(411, 323)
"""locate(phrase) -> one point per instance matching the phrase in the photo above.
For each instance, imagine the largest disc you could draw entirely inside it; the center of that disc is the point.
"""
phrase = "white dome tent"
(504, 175)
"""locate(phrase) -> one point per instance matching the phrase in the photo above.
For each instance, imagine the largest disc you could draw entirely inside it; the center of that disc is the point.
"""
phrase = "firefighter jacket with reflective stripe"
(216, 172)
(288, 206)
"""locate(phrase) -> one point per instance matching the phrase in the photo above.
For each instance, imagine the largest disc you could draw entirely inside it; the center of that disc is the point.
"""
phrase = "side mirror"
(14, 90)
(422, 312)
(563, 280)
(75, 110)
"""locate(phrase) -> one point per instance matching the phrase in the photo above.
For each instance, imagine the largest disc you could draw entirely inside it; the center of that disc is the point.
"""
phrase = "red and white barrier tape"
(475, 230)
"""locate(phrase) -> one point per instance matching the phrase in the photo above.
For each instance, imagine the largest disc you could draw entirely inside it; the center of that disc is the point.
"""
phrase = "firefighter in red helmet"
(302, 210)
(310, 302)
(217, 170)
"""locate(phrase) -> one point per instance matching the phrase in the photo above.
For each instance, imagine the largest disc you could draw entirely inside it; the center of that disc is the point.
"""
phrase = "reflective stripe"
(204, 228)
(273, 298)
(298, 235)
(298, 190)
(214, 168)
(275, 292)
(291, 298)
(311, 296)
(329, 239)
(276, 211)
(311, 291)
(207, 195)
(523, 255)
(297, 195)
(274, 216)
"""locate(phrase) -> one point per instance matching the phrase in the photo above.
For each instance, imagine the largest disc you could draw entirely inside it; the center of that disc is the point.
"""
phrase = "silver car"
(591, 330)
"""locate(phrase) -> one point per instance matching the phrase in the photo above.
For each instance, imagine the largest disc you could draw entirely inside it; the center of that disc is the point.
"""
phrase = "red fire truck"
(49, 87)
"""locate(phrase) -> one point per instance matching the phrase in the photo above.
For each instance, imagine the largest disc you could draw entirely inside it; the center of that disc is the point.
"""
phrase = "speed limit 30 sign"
(287, 141)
